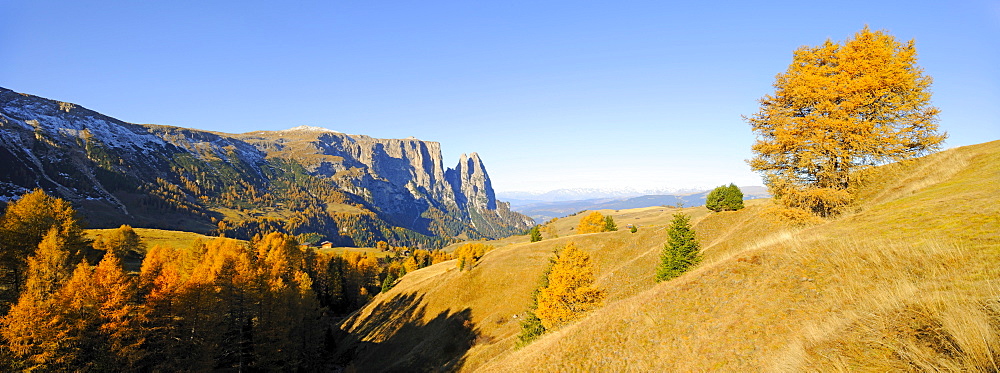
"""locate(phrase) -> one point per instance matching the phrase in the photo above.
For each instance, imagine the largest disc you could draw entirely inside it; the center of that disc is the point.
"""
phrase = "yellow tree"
(838, 108)
(439, 256)
(121, 241)
(592, 223)
(410, 265)
(73, 345)
(98, 321)
(30, 333)
(88, 323)
(570, 290)
(49, 268)
(23, 226)
(120, 317)
(282, 335)
(174, 339)
(468, 254)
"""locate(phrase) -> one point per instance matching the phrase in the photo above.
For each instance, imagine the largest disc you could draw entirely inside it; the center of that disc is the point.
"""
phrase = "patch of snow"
(108, 133)
(310, 129)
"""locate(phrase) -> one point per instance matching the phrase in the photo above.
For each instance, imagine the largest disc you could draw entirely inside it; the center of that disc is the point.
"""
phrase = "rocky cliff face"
(179, 178)
(469, 181)
(404, 178)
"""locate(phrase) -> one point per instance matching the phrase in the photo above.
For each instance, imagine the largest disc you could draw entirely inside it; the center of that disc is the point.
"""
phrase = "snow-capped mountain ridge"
(309, 129)
(575, 194)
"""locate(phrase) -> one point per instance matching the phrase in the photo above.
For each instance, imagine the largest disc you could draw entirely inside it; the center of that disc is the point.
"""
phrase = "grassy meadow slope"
(488, 302)
(159, 237)
(905, 281)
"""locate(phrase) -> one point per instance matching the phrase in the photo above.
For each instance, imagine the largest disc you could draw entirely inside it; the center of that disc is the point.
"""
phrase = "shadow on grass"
(395, 337)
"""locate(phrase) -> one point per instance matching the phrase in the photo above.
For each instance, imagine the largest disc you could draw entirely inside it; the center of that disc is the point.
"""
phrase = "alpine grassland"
(159, 237)
(903, 280)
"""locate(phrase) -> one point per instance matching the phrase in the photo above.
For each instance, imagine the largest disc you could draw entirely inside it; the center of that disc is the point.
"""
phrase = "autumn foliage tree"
(569, 291)
(32, 328)
(838, 108)
(468, 254)
(531, 324)
(592, 223)
(23, 226)
(595, 222)
(122, 241)
(84, 319)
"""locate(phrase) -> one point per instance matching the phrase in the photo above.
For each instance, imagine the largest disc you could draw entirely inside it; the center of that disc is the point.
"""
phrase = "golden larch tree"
(121, 241)
(98, 321)
(22, 227)
(32, 328)
(570, 291)
(120, 318)
(839, 108)
(592, 223)
(469, 254)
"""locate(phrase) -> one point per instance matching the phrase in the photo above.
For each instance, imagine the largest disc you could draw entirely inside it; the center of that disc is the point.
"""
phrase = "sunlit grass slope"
(159, 237)
(905, 281)
(489, 301)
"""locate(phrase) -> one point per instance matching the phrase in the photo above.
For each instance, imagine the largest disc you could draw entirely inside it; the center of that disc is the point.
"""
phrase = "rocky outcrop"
(471, 184)
(403, 178)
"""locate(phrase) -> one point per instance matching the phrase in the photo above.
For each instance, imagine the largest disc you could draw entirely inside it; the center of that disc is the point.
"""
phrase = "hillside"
(351, 189)
(903, 282)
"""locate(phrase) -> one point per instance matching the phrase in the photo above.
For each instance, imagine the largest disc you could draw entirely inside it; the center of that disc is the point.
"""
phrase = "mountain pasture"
(905, 281)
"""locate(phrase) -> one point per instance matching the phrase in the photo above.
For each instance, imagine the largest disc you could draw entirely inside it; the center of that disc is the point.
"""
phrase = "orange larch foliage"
(592, 223)
(22, 227)
(839, 108)
(468, 254)
(570, 291)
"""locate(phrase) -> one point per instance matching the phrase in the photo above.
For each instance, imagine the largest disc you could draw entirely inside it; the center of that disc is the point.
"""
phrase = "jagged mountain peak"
(470, 181)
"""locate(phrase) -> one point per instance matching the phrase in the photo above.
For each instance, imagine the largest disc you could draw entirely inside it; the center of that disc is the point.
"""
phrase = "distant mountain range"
(559, 203)
(520, 198)
(350, 189)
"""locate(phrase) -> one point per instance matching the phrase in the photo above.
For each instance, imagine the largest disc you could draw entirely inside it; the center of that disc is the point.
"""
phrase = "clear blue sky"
(551, 94)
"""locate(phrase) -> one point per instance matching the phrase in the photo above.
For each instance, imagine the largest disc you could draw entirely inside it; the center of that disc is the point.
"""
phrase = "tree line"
(70, 303)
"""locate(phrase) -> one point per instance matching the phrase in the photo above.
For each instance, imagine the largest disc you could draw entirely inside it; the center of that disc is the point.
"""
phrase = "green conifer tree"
(734, 198)
(536, 234)
(390, 280)
(725, 198)
(531, 325)
(609, 224)
(714, 199)
(680, 252)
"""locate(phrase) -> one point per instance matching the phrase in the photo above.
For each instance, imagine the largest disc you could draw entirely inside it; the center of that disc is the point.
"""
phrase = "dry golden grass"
(159, 237)
(369, 251)
(906, 281)
(641, 217)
